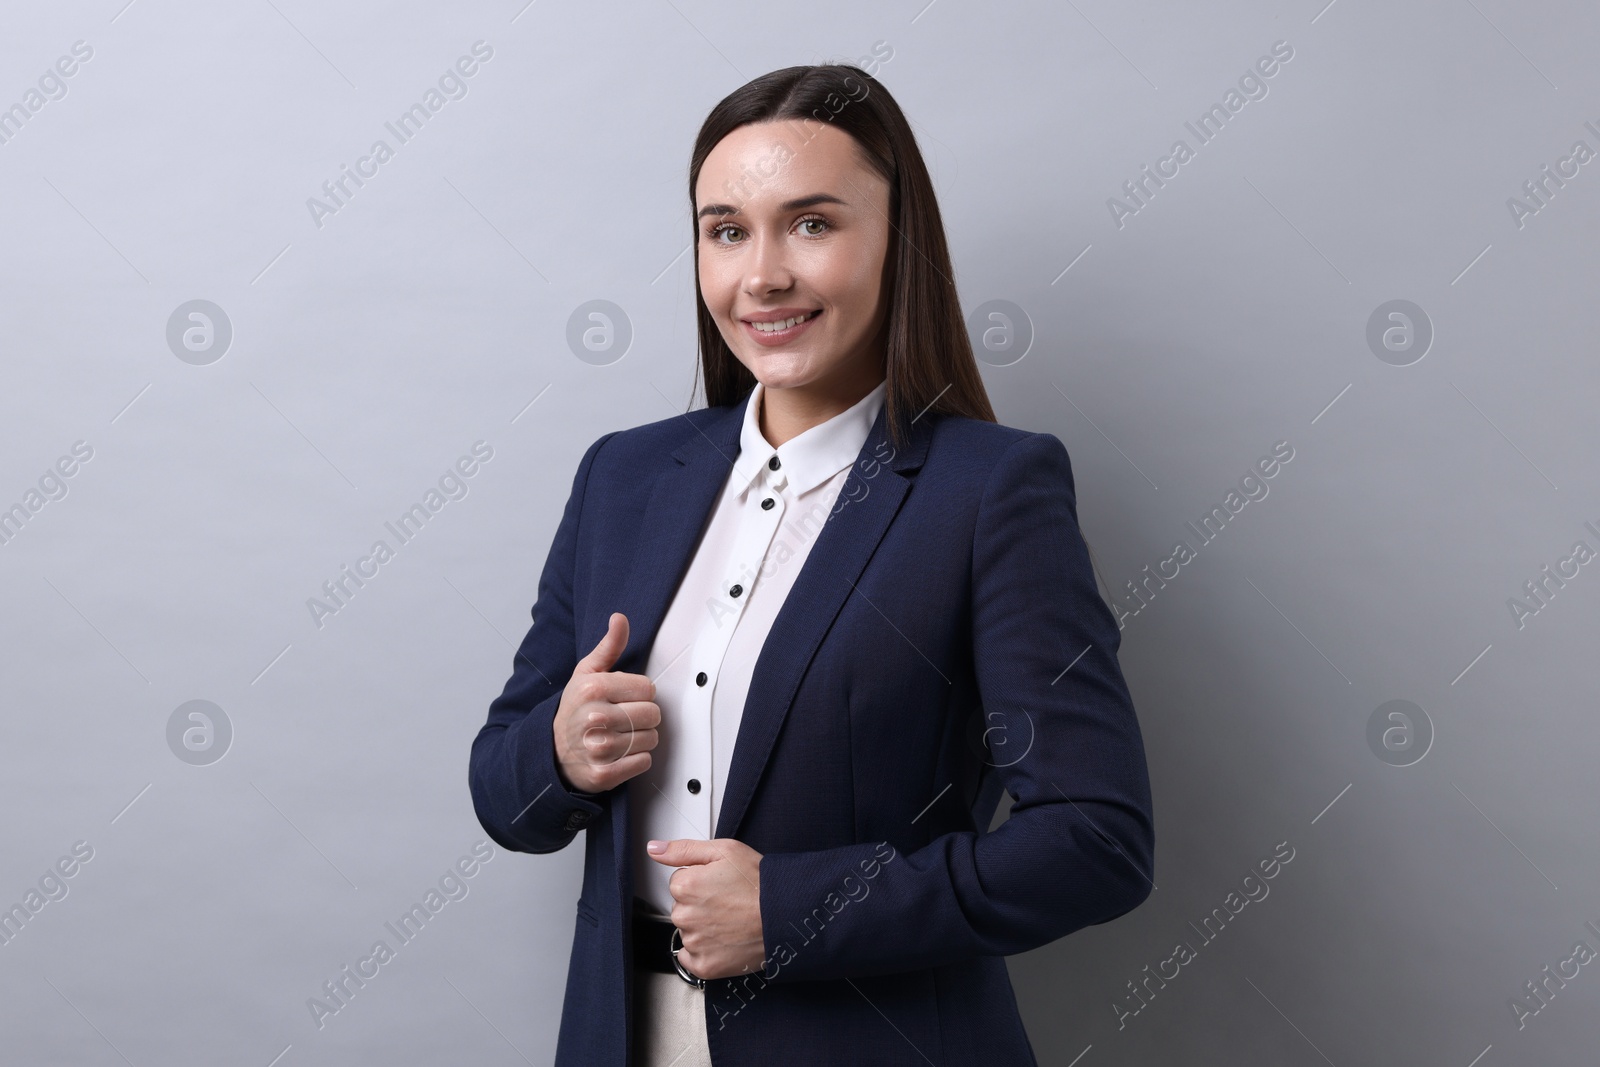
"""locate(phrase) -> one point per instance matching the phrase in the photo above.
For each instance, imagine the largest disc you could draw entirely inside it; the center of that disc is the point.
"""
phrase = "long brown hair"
(928, 363)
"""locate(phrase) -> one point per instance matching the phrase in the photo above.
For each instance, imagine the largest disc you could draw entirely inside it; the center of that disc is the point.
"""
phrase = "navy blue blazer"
(943, 640)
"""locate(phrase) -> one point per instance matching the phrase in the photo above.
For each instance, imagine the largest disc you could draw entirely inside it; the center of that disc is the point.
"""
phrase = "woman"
(789, 648)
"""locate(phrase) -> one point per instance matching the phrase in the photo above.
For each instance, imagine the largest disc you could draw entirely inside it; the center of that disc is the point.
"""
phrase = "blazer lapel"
(866, 505)
(680, 503)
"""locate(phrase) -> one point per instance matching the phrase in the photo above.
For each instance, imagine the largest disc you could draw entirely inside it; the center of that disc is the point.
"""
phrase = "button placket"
(707, 656)
(766, 520)
(763, 514)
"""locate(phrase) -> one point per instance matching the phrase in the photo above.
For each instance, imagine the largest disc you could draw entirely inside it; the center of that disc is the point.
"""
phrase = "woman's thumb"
(605, 653)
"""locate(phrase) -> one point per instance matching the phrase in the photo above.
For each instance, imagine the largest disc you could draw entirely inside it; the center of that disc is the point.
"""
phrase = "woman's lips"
(779, 337)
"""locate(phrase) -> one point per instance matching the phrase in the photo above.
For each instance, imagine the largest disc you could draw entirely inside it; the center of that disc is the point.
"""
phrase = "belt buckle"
(676, 945)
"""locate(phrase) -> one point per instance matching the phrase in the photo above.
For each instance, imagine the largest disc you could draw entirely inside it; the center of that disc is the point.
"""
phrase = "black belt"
(653, 941)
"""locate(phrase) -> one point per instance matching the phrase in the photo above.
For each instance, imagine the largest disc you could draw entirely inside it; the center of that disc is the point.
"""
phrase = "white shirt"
(761, 530)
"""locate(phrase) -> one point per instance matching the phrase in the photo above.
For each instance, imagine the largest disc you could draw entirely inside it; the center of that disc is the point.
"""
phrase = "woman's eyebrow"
(788, 205)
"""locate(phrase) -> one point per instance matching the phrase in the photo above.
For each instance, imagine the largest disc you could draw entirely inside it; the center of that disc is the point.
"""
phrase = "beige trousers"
(669, 1019)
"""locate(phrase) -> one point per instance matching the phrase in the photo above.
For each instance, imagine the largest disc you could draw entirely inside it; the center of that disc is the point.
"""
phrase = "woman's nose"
(768, 266)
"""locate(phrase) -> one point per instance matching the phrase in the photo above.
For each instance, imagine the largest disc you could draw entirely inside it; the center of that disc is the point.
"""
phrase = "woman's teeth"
(784, 324)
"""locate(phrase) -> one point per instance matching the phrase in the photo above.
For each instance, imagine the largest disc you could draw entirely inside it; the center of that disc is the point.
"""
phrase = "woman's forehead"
(773, 159)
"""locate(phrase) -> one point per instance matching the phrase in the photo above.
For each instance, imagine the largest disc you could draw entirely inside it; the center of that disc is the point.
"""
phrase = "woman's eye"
(717, 233)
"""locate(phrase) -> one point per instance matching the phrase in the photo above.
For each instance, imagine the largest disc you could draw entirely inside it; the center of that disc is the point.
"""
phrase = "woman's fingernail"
(655, 846)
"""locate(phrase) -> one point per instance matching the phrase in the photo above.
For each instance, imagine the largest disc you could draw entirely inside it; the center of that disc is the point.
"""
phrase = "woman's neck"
(787, 413)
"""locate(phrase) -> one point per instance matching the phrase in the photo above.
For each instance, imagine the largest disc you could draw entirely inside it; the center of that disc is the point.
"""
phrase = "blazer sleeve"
(517, 793)
(1078, 848)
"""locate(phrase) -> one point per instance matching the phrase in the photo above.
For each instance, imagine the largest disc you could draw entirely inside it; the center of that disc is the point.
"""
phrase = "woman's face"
(792, 224)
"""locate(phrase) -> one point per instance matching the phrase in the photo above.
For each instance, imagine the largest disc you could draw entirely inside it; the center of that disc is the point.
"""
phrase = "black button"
(766, 505)
(773, 463)
(700, 679)
(735, 591)
(577, 819)
(694, 785)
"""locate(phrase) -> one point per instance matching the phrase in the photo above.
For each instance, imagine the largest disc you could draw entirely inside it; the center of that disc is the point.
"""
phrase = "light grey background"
(431, 312)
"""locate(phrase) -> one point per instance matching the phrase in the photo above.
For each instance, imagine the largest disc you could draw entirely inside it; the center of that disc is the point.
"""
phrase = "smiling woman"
(803, 189)
(740, 770)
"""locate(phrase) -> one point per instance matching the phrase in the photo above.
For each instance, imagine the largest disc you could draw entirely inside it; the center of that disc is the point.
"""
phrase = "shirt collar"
(811, 458)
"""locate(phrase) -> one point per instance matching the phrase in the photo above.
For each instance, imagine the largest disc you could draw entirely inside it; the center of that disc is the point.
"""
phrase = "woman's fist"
(606, 724)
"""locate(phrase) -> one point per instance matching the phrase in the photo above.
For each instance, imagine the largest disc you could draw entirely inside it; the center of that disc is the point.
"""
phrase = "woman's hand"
(717, 904)
(606, 724)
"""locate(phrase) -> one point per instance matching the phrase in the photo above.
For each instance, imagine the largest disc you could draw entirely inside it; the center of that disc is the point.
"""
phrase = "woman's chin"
(780, 370)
